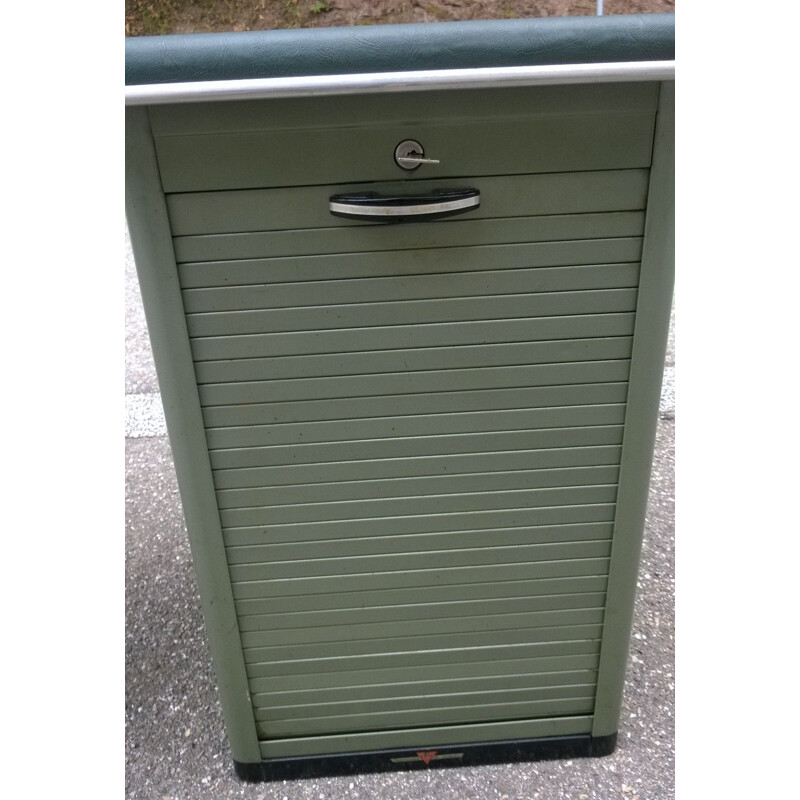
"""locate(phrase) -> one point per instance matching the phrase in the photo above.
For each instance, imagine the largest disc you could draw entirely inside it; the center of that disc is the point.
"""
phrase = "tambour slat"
(407, 635)
(419, 612)
(437, 402)
(501, 196)
(415, 738)
(420, 467)
(440, 370)
(392, 652)
(479, 662)
(251, 409)
(397, 448)
(426, 523)
(410, 632)
(324, 266)
(331, 657)
(428, 504)
(391, 337)
(454, 540)
(547, 684)
(410, 561)
(398, 695)
(377, 238)
(565, 360)
(427, 697)
(564, 143)
(409, 426)
(366, 315)
(423, 708)
(484, 592)
(417, 487)
(443, 716)
(421, 578)
(485, 283)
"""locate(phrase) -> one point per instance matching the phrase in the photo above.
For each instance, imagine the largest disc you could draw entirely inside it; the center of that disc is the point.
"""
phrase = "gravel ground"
(175, 740)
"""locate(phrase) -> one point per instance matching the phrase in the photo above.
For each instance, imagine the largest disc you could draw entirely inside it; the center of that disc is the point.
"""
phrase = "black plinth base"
(429, 758)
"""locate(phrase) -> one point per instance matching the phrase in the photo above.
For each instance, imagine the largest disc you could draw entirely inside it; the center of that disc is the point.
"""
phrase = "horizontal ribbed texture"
(415, 434)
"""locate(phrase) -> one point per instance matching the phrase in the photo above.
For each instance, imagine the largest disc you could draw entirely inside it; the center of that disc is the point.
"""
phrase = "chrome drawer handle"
(374, 207)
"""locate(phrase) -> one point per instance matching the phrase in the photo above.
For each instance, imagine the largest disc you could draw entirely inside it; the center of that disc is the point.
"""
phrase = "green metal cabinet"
(413, 458)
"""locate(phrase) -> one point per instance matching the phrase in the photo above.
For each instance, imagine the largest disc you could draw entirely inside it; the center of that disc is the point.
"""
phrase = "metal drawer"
(294, 143)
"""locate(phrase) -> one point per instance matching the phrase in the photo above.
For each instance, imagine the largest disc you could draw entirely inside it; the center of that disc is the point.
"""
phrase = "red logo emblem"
(426, 755)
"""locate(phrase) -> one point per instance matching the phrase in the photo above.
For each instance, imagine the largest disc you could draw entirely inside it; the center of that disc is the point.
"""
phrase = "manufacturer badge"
(426, 756)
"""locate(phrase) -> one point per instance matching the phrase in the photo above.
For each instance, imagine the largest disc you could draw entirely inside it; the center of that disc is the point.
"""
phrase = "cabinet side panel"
(647, 363)
(155, 261)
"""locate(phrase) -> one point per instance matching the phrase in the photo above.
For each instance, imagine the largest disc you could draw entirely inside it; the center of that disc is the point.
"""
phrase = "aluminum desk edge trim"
(423, 80)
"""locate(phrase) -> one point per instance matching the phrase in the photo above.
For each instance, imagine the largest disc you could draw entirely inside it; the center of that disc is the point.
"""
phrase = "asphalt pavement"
(175, 744)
